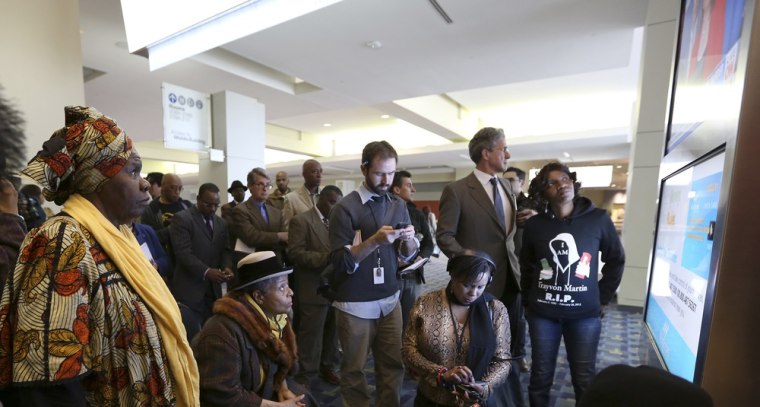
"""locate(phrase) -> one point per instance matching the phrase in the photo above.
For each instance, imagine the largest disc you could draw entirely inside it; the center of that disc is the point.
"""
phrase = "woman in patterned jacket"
(84, 318)
(457, 341)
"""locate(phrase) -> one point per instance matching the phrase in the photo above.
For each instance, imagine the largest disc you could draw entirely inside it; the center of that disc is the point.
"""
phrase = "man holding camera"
(410, 282)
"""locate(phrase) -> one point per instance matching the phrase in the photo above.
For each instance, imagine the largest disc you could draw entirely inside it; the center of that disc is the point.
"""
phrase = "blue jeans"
(581, 342)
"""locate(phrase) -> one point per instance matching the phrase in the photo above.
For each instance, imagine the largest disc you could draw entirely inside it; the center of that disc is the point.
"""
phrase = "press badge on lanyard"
(379, 272)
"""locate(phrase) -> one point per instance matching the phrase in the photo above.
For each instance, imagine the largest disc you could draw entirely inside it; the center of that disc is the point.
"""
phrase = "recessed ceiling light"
(618, 166)
(613, 185)
(326, 124)
(385, 116)
(373, 44)
(566, 154)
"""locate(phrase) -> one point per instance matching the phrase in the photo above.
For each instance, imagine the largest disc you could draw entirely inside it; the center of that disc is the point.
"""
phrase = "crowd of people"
(131, 295)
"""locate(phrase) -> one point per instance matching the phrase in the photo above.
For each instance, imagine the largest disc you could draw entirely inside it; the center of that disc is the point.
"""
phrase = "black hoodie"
(560, 262)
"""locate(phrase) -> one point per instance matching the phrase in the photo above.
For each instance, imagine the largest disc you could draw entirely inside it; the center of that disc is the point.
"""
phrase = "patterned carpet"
(620, 341)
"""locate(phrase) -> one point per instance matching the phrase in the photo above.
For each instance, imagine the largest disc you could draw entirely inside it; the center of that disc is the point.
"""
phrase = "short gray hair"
(258, 171)
(484, 138)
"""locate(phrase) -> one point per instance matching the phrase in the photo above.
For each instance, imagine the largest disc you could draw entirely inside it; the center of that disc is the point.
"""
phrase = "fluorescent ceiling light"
(272, 156)
(594, 177)
(187, 31)
(599, 176)
(571, 114)
(400, 134)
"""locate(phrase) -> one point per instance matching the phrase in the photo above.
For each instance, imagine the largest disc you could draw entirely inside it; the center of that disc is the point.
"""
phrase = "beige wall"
(41, 70)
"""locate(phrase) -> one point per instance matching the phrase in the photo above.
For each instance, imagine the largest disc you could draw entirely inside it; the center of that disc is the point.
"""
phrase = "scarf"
(276, 324)
(122, 248)
(482, 337)
(235, 306)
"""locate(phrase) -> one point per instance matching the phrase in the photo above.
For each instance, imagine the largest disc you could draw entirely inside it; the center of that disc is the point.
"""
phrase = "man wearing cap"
(247, 349)
(277, 198)
(237, 190)
(204, 258)
(369, 231)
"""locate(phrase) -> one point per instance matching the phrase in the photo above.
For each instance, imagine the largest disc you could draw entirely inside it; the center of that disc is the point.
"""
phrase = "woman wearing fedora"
(246, 351)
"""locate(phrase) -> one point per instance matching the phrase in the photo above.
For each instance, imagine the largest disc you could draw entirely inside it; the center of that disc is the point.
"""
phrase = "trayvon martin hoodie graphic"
(560, 262)
(572, 267)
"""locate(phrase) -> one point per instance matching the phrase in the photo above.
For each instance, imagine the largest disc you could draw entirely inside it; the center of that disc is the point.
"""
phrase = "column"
(42, 64)
(660, 35)
(238, 130)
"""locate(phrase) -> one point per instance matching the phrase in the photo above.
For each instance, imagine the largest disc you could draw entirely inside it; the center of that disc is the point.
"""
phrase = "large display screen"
(677, 303)
(709, 71)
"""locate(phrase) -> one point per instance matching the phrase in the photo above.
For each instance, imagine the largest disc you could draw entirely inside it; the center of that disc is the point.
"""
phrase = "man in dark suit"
(257, 224)
(204, 259)
(479, 212)
(309, 250)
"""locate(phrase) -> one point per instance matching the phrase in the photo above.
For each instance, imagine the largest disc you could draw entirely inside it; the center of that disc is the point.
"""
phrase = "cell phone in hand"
(467, 388)
(401, 226)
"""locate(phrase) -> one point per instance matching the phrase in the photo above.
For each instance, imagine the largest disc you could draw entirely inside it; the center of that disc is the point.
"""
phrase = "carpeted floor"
(620, 341)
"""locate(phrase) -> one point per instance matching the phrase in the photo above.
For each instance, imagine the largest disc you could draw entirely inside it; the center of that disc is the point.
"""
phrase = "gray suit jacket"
(196, 251)
(468, 220)
(309, 250)
(248, 225)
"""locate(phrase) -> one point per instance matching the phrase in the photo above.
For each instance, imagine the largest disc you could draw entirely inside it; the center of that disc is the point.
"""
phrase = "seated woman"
(458, 338)
(562, 291)
(247, 349)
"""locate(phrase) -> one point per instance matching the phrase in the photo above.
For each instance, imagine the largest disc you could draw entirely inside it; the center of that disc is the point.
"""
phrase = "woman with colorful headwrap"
(84, 318)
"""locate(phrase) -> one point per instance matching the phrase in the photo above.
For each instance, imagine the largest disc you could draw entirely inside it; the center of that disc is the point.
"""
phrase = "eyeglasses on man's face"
(263, 185)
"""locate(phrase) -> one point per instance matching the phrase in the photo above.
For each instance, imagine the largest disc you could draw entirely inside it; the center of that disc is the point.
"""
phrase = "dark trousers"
(510, 393)
(581, 342)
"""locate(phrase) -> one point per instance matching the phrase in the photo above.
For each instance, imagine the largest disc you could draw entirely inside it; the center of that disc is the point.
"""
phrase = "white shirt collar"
(365, 194)
(482, 176)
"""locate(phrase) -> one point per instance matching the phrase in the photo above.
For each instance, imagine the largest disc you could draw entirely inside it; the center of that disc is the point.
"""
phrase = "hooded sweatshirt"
(560, 262)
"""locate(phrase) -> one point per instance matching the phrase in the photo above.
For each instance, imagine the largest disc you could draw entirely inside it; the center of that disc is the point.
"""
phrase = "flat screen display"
(679, 289)
(709, 71)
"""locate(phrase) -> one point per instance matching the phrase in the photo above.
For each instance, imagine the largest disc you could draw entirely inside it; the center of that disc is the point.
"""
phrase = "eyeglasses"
(263, 185)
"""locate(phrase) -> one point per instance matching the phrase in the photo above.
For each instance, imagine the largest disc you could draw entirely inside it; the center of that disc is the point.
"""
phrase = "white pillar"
(660, 36)
(41, 70)
(239, 130)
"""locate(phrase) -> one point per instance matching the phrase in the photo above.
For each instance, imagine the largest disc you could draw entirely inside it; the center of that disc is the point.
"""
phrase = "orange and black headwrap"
(80, 157)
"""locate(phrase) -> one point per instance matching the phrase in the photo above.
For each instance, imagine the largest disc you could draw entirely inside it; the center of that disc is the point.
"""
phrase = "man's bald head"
(171, 187)
(312, 174)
